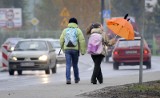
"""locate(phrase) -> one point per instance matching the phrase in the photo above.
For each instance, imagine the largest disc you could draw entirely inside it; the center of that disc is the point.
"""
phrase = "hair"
(91, 26)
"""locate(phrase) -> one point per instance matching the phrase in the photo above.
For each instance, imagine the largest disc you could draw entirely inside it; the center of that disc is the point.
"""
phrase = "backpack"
(71, 37)
(95, 45)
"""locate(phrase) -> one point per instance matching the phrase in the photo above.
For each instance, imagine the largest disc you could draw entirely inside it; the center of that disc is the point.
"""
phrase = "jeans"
(72, 57)
(97, 73)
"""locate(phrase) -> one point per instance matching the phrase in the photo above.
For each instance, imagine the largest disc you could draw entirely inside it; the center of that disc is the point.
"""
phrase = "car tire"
(54, 69)
(148, 65)
(19, 72)
(47, 71)
(115, 65)
(11, 72)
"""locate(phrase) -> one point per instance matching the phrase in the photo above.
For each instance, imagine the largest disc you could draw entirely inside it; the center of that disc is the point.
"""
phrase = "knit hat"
(73, 20)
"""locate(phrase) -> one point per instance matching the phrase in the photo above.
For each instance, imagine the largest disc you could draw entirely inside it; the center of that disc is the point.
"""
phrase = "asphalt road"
(32, 78)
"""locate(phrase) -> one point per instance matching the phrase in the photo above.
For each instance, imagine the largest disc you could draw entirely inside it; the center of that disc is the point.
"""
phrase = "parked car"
(127, 52)
(11, 43)
(32, 54)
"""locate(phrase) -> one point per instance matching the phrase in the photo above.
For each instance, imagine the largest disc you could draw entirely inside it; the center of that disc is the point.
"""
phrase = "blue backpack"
(71, 37)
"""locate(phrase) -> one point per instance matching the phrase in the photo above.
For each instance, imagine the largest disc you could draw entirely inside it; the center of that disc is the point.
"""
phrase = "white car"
(32, 54)
(56, 44)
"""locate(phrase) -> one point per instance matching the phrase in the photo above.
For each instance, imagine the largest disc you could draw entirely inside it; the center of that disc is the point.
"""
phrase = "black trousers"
(97, 73)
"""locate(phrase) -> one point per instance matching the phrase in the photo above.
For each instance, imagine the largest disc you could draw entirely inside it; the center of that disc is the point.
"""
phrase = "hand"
(112, 41)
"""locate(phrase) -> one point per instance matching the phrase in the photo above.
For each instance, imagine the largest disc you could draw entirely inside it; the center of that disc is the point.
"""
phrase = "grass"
(143, 88)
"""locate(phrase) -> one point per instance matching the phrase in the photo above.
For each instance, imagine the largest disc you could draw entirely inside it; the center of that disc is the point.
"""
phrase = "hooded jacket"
(80, 38)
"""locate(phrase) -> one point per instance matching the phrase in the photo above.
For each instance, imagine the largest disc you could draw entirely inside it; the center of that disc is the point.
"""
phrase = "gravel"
(146, 90)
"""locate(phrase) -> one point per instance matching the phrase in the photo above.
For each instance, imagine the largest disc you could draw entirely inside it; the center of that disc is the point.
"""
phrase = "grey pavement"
(61, 90)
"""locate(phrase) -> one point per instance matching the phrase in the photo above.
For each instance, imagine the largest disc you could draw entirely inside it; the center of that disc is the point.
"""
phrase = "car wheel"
(148, 65)
(19, 72)
(11, 72)
(54, 69)
(47, 71)
(115, 65)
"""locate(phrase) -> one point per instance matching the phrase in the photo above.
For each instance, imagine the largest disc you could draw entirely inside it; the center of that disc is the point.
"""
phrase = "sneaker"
(76, 81)
(68, 82)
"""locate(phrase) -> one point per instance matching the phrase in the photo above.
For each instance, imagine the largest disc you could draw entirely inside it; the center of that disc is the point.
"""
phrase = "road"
(32, 78)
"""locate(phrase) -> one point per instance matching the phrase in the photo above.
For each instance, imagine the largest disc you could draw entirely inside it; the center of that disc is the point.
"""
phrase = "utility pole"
(141, 50)
(102, 8)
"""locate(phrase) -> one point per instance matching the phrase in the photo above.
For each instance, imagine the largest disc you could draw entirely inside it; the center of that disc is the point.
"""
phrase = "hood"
(28, 53)
(97, 30)
(72, 25)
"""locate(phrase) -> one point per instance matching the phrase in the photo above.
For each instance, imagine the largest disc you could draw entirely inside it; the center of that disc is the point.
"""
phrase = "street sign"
(64, 22)
(35, 21)
(107, 14)
(65, 13)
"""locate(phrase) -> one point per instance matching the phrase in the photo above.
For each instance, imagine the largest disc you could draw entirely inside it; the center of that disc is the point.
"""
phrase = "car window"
(129, 43)
(50, 45)
(31, 45)
(56, 44)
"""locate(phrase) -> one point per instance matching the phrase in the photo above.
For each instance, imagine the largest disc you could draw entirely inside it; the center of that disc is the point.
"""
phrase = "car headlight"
(14, 58)
(43, 58)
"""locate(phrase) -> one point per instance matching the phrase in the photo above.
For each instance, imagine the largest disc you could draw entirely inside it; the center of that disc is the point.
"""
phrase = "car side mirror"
(9, 50)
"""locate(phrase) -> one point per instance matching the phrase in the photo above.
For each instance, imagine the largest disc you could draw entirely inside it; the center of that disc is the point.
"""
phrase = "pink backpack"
(95, 45)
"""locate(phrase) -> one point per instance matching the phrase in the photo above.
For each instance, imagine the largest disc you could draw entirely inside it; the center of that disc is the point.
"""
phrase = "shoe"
(94, 82)
(77, 81)
(100, 82)
(68, 82)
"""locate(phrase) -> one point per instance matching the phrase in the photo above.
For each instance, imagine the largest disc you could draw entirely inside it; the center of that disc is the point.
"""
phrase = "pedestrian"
(97, 57)
(73, 43)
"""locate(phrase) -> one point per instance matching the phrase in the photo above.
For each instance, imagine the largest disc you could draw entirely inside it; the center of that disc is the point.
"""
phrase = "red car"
(127, 52)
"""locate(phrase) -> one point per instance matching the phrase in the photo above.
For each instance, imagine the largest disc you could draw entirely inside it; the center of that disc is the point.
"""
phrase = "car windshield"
(56, 44)
(129, 43)
(31, 46)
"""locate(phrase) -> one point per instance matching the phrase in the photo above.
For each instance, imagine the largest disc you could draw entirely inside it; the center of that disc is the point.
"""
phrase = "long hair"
(91, 26)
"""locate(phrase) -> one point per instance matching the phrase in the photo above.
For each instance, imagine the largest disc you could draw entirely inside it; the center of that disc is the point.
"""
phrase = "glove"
(112, 41)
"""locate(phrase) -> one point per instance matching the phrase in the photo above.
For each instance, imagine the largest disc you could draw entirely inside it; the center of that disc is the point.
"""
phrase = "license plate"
(27, 64)
(131, 52)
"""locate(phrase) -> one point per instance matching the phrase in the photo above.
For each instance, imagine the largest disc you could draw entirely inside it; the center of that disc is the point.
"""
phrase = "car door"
(52, 55)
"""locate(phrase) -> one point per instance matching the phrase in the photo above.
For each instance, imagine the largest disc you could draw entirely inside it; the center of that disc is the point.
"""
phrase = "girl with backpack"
(98, 55)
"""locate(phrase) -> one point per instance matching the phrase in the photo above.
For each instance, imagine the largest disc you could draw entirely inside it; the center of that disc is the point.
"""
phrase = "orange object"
(121, 27)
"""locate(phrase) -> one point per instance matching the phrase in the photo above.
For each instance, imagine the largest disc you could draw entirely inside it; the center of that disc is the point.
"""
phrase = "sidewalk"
(62, 90)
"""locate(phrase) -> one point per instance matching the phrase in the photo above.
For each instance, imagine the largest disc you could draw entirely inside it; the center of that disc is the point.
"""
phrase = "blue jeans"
(72, 60)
